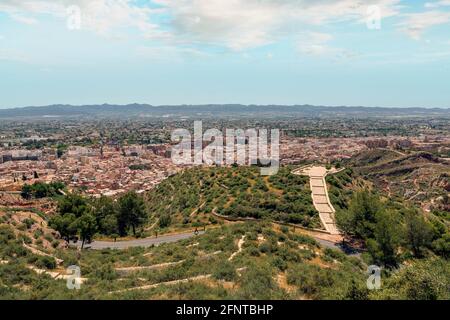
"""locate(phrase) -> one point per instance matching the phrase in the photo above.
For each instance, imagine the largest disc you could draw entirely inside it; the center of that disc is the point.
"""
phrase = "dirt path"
(152, 267)
(197, 209)
(41, 253)
(173, 282)
(55, 275)
(168, 283)
(152, 226)
(162, 265)
(240, 243)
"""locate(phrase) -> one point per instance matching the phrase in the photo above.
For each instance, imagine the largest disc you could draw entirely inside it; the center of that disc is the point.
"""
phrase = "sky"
(388, 53)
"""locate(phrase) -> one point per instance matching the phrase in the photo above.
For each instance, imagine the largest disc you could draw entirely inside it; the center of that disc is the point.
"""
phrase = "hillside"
(28, 219)
(190, 198)
(419, 177)
(239, 260)
(242, 261)
(251, 260)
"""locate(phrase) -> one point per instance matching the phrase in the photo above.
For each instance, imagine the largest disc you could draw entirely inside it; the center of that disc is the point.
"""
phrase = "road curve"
(146, 242)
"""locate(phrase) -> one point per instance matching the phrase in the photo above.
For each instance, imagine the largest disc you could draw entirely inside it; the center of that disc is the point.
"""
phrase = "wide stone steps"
(320, 196)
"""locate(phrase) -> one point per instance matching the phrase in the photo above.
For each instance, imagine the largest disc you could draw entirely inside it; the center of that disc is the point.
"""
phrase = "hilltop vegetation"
(240, 192)
(39, 190)
(187, 200)
(391, 229)
(274, 263)
(85, 217)
(271, 265)
(29, 228)
(243, 260)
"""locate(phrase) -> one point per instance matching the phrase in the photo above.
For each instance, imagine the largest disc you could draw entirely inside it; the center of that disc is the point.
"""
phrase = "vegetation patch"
(237, 192)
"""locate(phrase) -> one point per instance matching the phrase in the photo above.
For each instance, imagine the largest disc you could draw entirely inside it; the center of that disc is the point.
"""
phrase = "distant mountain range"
(213, 111)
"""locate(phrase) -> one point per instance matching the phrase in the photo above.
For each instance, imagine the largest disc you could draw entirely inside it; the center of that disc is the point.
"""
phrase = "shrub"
(46, 262)
(15, 250)
(165, 220)
(32, 259)
(279, 263)
(105, 272)
(334, 254)
(442, 246)
(6, 234)
(29, 222)
(257, 283)
(37, 234)
(310, 279)
(284, 229)
(225, 271)
(186, 220)
(25, 238)
(268, 247)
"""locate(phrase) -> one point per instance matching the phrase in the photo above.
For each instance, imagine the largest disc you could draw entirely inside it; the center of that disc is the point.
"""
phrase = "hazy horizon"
(218, 104)
(391, 53)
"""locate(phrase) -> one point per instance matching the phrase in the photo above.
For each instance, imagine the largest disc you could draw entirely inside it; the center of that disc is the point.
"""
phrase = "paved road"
(339, 246)
(147, 242)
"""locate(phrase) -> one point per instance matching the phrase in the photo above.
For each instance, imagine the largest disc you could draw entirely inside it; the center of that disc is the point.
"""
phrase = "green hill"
(271, 264)
(240, 192)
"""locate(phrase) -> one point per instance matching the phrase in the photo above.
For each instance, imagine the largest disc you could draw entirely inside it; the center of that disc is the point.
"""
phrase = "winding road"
(146, 242)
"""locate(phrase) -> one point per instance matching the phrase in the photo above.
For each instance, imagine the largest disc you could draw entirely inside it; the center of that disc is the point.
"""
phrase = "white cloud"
(437, 4)
(235, 24)
(100, 16)
(242, 24)
(315, 43)
(415, 24)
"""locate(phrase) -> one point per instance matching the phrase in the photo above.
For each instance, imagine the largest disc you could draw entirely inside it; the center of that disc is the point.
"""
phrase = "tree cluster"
(83, 217)
(42, 190)
(391, 231)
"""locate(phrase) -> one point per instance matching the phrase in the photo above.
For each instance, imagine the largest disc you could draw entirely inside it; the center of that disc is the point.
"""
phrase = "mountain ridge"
(136, 109)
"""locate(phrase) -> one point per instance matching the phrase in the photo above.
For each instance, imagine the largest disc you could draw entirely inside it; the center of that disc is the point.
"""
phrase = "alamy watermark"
(374, 280)
(74, 17)
(373, 21)
(73, 280)
(236, 146)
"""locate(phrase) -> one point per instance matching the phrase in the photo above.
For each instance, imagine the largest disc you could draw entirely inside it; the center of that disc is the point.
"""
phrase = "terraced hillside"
(249, 260)
(30, 225)
(240, 260)
(418, 177)
(190, 197)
